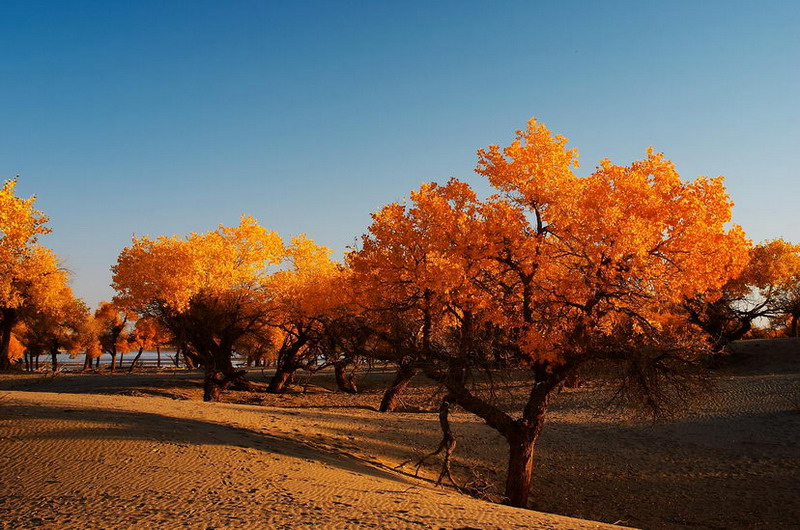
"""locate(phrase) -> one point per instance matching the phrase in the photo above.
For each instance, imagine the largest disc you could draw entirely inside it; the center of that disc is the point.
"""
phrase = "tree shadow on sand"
(145, 426)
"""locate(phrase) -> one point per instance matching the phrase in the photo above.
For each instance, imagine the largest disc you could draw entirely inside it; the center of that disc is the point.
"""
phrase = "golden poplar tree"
(553, 272)
(30, 277)
(207, 289)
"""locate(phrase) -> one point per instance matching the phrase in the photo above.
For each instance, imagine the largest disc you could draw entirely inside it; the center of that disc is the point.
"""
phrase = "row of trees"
(234, 289)
(628, 266)
(631, 266)
(39, 314)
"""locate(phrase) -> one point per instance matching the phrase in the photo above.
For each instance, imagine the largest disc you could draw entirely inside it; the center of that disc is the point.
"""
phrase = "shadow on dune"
(144, 426)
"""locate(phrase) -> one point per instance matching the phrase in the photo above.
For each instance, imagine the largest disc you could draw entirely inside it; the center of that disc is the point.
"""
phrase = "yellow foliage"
(772, 264)
(236, 286)
(20, 222)
(307, 287)
(29, 272)
(172, 270)
(558, 255)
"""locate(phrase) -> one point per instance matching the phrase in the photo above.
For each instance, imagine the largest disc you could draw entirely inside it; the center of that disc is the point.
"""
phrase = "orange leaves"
(433, 245)
(33, 287)
(29, 271)
(111, 327)
(173, 269)
(639, 224)
(243, 274)
(620, 246)
(564, 258)
(772, 264)
(309, 286)
(20, 222)
(536, 169)
(16, 349)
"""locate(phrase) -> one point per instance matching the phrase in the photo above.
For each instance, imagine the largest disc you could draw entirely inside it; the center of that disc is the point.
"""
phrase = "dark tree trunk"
(189, 360)
(793, 326)
(212, 385)
(521, 434)
(113, 361)
(214, 381)
(121, 357)
(54, 357)
(9, 318)
(573, 381)
(158, 356)
(524, 432)
(720, 327)
(135, 359)
(177, 359)
(521, 444)
(283, 377)
(237, 379)
(286, 365)
(87, 362)
(344, 381)
(220, 374)
(27, 361)
(97, 363)
(405, 374)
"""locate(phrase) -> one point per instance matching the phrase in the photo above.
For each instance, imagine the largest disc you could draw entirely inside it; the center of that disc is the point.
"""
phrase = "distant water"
(148, 359)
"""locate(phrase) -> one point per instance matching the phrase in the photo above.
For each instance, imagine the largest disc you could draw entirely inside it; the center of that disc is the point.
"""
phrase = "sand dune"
(91, 461)
(142, 450)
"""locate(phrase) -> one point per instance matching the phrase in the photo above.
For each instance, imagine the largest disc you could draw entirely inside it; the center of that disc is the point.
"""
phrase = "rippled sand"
(140, 450)
(90, 461)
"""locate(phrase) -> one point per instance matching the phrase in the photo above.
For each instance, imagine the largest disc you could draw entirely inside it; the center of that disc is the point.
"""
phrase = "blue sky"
(170, 117)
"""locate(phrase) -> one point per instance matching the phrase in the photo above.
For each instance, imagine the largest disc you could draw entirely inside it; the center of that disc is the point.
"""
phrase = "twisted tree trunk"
(521, 434)
(135, 359)
(220, 374)
(284, 376)
(286, 365)
(344, 382)
(405, 373)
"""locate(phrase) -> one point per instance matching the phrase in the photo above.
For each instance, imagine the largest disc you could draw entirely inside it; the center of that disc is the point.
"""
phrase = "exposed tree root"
(446, 446)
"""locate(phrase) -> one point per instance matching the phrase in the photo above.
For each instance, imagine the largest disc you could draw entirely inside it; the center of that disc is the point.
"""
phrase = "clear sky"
(168, 117)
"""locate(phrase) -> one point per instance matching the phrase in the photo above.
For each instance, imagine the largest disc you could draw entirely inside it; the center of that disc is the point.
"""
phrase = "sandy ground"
(96, 461)
(141, 450)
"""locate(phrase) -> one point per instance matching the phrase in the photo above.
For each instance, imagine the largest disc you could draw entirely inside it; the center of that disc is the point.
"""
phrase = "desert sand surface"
(142, 450)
